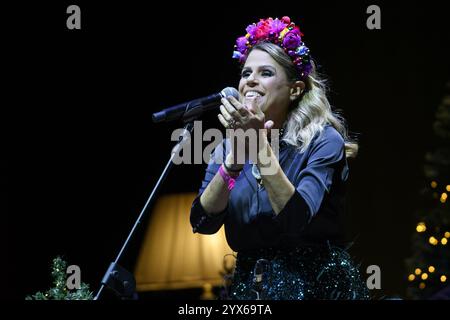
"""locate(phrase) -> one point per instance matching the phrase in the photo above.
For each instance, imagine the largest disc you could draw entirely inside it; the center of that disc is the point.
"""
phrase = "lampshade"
(172, 256)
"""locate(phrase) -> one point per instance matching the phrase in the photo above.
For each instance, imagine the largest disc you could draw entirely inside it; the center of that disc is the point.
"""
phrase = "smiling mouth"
(251, 98)
(253, 94)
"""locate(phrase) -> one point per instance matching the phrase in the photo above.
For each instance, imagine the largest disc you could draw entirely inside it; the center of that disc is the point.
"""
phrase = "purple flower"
(241, 44)
(307, 68)
(277, 26)
(251, 29)
(291, 40)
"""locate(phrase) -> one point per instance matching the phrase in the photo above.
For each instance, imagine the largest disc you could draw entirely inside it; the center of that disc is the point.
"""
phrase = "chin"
(262, 105)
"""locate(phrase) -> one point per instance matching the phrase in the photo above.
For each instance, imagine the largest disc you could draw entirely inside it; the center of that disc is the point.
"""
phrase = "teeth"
(251, 94)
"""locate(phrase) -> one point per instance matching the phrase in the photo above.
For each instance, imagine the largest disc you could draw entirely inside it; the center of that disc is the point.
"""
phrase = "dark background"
(85, 154)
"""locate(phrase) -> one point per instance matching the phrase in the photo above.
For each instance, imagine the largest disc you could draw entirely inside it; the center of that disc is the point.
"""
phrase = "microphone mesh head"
(230, 91)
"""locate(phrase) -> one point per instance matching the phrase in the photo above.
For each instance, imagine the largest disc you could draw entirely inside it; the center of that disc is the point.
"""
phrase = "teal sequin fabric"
(303, 273)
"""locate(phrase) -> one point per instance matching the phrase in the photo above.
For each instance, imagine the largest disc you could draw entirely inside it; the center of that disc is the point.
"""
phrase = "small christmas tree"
(60, 291)
(429, 266)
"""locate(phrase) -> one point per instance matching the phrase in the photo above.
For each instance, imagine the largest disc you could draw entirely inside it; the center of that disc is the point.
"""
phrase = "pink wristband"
(229, 180)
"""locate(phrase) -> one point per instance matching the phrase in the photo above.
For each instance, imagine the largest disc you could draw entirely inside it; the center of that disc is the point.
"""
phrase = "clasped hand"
(248, 116)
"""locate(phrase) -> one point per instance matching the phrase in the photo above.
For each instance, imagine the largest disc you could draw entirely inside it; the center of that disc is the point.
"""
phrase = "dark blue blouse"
(312, 215)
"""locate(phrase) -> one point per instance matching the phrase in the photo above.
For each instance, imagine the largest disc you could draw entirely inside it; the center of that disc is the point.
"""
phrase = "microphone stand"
(258, 273)
(117, 278)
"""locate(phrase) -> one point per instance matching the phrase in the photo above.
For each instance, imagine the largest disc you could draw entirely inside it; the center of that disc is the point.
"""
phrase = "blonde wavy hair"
(312, 111)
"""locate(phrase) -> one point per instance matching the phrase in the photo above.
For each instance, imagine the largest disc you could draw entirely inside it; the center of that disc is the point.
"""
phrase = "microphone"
(194, 109)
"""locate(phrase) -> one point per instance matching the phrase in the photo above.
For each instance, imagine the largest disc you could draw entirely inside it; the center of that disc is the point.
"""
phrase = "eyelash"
(267, 73)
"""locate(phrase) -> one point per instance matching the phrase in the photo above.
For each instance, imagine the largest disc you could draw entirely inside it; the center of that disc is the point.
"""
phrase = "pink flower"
(263, 22)
(263, 29)
(286, 20)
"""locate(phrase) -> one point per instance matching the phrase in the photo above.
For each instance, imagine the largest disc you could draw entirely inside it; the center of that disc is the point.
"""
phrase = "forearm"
(215, 197)
(277, 185)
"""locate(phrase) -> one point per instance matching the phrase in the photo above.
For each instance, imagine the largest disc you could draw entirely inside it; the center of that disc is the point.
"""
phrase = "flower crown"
(283, 33)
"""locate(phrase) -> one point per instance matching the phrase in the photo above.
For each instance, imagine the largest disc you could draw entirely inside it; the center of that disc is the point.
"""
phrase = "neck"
(278, 123)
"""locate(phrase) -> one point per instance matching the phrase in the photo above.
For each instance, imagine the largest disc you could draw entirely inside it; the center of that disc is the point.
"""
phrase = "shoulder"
(329, 137)
(329, 144)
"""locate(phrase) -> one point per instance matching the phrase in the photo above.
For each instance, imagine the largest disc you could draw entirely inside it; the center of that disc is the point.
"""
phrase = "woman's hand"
(235, 115)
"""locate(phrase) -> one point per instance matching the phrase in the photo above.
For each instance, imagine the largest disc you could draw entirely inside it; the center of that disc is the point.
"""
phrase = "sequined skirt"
(303, 273)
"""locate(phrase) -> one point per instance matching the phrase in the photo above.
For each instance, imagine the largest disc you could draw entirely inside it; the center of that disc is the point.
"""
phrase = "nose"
(251, 80)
